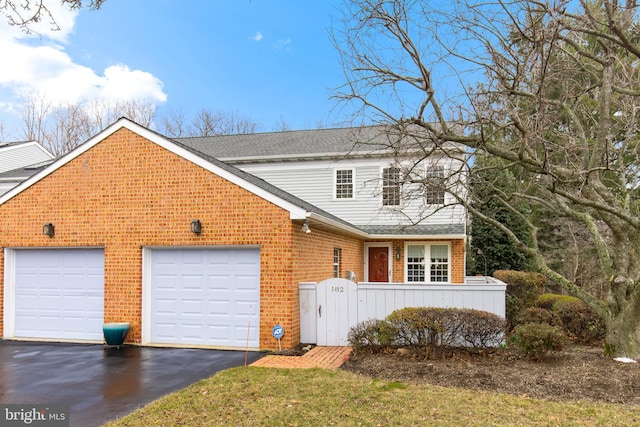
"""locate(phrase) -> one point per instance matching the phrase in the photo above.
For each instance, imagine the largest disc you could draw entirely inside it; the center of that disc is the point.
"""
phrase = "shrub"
(420, 326)
(523, 289)
(481, 329)
(539, 315)
(535, 340)
(430, 327)
(580, 322)
(370, 335)
(546, 301)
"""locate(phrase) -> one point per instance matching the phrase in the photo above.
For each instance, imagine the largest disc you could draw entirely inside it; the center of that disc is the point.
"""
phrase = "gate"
(336, 311)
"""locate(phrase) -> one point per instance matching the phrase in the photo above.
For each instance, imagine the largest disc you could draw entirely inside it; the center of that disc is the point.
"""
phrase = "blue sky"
(270, 60)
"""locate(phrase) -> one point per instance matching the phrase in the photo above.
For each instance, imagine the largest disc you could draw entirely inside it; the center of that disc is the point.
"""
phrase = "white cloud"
(257, 37)
(37, 64)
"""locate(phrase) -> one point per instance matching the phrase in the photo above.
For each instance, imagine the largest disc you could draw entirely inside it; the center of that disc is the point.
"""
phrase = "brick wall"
(126, 193)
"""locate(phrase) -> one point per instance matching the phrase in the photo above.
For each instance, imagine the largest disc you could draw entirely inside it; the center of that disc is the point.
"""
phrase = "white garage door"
(205, 297)
(59, 294)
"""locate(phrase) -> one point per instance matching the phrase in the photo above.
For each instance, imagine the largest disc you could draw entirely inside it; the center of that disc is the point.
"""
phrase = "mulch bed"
(576, 374)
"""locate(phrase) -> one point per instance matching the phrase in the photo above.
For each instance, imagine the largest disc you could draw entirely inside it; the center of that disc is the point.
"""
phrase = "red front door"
(378, 264)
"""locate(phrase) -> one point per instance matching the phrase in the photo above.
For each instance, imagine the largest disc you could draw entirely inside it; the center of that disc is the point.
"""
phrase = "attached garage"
(54, 294)
(202, 296)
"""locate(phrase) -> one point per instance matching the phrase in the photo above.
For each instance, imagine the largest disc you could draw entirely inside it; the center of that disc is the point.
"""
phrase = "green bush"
(546, 301)
(536, 340)
(371, 335)
(579, 321)
(430, 327)
(539, 315)
(481, 329)
(523, 290)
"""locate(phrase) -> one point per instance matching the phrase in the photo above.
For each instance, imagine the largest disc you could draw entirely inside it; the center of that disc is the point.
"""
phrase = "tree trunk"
(623, 322)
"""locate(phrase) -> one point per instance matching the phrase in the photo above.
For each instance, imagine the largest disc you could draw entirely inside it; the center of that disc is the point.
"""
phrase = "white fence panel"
(377, 300)
(308, 305)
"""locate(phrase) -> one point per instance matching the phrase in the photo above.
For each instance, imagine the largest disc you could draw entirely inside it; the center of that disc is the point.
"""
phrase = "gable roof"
(365, 141)
(298, 209)
(15, 155)
(317, 143)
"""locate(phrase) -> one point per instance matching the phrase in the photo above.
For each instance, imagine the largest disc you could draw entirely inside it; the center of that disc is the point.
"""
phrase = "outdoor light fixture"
(196, 226)
(398, 253)
(305, 226)
(48, 229)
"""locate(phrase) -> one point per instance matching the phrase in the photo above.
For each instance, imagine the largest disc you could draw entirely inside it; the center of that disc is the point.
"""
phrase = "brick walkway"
(317, 357)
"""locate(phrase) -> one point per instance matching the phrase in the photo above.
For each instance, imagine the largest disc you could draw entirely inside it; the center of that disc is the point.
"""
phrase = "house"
(353, 174)
(191, 250)
(20, 160)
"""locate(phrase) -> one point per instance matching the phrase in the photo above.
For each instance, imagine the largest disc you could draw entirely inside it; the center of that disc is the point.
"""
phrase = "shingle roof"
(26, 171)
(301, 143)
(415, 230)
(311, 144)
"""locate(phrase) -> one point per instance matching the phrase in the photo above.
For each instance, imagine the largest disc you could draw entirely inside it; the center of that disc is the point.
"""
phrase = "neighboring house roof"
(16, 155)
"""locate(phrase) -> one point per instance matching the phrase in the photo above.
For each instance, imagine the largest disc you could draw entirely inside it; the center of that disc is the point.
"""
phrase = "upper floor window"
(427, 263)
(391, 186)
(434, 185)
(344, 184)
(337, 257)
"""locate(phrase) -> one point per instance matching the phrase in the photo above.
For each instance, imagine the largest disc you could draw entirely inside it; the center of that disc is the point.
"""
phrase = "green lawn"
(315, 397)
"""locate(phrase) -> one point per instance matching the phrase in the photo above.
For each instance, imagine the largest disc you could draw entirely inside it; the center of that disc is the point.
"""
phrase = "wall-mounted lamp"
(196, 226)
(48, 229)
(305, 226)
(398, 253)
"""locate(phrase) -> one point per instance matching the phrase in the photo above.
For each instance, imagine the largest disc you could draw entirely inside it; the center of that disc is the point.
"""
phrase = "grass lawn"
(314, 397)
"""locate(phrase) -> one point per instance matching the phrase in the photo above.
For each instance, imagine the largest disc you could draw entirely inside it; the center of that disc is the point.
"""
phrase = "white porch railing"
(378, 300)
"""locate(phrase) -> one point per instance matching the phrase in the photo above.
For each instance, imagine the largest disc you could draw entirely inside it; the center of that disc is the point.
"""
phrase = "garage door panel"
(205, 288)
(59, 293)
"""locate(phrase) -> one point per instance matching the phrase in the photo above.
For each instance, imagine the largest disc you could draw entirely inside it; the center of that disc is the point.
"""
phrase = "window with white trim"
(434, 188)
(344, 184)
(391, 186)
(427, 263)
(337, 258)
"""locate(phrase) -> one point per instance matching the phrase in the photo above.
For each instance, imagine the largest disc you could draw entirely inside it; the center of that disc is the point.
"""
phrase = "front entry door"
(378, 264)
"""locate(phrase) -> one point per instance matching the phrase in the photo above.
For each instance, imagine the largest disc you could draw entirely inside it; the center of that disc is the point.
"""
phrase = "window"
(434, 185)
(337, 257)
(344, 184)
(437, 263)
(391, 187)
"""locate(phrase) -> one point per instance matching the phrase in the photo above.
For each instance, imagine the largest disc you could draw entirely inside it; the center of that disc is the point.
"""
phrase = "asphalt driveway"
(100, 384)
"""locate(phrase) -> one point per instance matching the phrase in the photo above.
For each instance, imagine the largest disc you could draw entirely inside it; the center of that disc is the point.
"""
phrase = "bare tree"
(24, 13)
(551, 88)
(209, 123)
(173, 124)
(62, 127)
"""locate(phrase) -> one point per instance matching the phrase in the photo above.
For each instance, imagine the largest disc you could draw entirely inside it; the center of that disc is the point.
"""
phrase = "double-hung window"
(391, 186)
(337, 258)
(427, 263)
(434, 188)
(344, 184)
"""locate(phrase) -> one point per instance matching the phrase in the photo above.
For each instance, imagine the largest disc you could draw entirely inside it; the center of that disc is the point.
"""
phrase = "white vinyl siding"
(314, 182)
(18, 156)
